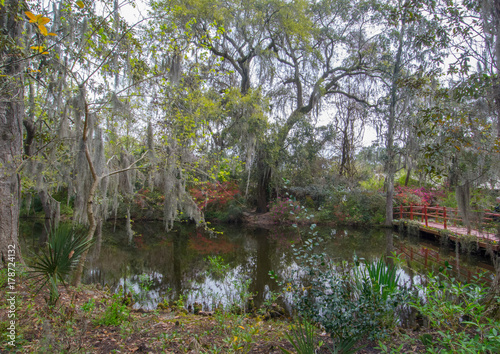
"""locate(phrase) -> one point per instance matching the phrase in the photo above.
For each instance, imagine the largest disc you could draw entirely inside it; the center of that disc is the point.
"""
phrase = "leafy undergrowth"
(91, 320)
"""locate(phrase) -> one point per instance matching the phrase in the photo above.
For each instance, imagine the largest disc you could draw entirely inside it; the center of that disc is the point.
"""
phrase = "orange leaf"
(43, 30)
(43, 20)
(39, 49)
(31, 16)
(52, 34)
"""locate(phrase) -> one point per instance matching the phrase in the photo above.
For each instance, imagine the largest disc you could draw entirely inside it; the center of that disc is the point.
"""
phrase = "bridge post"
(425, 215)
(411, 212)
(444, 217)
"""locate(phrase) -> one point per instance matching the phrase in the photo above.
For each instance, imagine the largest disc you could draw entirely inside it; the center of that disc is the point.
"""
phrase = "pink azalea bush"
(413, 196)
(285, 210)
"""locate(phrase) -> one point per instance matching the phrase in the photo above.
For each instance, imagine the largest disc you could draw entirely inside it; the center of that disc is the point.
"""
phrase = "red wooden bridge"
(484, 225)
(432, 258)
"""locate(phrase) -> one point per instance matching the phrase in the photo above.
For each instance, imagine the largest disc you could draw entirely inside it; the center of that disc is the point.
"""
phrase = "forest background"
(210, 108)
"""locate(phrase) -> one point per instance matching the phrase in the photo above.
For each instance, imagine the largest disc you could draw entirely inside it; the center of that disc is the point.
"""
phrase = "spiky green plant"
(65, 246)
(384, 278)
(302, 338)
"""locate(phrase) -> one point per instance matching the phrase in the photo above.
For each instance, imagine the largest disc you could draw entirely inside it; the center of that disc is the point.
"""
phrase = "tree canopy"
(100, 113)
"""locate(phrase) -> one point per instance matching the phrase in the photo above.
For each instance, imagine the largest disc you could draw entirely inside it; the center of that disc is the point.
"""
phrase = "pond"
(207, 268)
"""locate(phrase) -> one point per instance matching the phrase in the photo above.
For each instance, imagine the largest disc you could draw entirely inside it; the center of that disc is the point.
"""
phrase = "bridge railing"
(479, 219)
(430, 258)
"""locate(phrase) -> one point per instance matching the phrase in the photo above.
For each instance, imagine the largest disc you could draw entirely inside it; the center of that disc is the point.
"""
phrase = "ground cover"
(92, 320)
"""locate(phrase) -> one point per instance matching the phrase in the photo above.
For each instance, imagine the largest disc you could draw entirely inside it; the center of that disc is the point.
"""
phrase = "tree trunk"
(77, 278)
(90, 201)
(390, 168)
(264, 178)
(408, 176)
(11, 118)
(496, 88)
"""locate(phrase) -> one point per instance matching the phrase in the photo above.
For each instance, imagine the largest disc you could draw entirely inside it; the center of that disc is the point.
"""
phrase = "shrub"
(214, 196)
(347, 294)
(285, 210)
(413, 196)
(350, 300)
(354, 207)
(232, 213)
(375, 183)
(53, 265)
(115, 313)
(456, 313)
(448, 200)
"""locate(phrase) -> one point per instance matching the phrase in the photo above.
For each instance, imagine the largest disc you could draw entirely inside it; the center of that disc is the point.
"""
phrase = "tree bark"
(496, 88)
(390, 168)
(264, 178)
(11, 118)
(77, 278)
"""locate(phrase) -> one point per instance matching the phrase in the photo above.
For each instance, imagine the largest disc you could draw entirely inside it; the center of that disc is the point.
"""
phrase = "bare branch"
(126, 168)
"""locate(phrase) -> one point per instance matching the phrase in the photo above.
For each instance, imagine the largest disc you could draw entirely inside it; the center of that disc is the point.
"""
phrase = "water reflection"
(159, 265)
(177, 262)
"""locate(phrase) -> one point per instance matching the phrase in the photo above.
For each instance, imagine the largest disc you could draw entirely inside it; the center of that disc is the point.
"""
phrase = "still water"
(158, 265)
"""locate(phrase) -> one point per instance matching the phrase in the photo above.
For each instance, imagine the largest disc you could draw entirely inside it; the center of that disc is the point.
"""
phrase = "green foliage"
(239, 335)
(449, 200)
(374, 183)
(3, 277)
(145, 282)
(350, 300)
(232, 212)
(456, 312)
(115, 312)
(302, 337)
(217, 268)
(400, 179)
(53, 265)
(89, 306)
(355, 207)
(383, 278)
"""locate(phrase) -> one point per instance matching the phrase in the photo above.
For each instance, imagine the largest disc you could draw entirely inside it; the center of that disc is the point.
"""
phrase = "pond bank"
(72, 326)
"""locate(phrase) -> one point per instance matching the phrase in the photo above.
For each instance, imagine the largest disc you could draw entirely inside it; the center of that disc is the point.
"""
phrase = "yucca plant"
(65, 245)
(302, 338)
